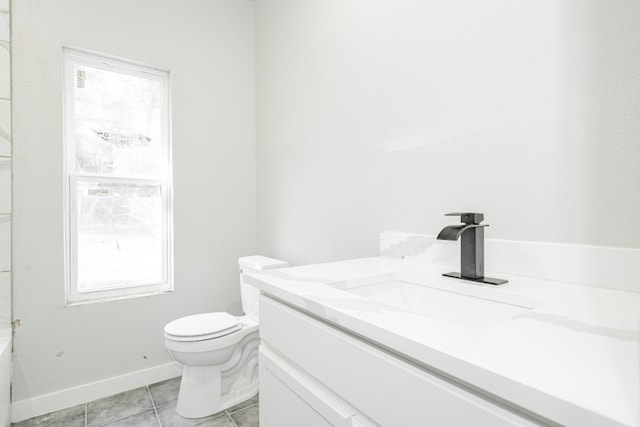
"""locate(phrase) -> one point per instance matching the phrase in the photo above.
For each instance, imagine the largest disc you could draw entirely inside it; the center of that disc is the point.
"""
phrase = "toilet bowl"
(219, 351)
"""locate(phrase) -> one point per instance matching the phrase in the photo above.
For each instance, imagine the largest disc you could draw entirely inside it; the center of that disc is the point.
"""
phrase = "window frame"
(73, 296)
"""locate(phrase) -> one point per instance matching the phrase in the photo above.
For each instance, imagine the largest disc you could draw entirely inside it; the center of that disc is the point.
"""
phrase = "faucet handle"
(468, 217)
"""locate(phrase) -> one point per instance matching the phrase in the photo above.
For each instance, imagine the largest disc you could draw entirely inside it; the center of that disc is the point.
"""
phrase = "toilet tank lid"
(259, 263)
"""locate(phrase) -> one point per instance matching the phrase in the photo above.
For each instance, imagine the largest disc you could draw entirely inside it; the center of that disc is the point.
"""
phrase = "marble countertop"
(572, 356)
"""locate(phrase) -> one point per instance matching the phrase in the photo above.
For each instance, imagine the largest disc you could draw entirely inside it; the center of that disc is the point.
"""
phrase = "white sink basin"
(454, 301)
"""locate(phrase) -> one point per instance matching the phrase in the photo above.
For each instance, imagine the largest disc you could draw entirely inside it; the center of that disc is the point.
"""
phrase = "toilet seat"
(200, 327)
(186, 345)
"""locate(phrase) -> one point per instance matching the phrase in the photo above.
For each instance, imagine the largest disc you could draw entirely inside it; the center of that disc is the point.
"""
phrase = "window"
(117, 178)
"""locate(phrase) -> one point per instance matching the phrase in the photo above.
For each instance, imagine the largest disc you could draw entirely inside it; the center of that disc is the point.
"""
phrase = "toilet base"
(200, 394)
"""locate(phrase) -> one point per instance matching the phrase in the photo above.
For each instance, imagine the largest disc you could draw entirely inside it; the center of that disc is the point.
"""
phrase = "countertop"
(573, 359)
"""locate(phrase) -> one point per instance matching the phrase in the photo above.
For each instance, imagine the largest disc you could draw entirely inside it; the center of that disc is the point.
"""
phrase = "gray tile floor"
(151, 406)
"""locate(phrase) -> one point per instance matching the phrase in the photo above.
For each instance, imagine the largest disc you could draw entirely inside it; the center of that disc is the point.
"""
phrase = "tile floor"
(151, 406)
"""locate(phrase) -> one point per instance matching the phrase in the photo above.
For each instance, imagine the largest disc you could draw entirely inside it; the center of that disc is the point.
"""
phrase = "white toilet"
(219, 351)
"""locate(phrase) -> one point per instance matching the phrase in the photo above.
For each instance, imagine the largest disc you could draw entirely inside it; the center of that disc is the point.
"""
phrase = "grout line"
(153, 403)
(150, 396)
(143, 411)
(85, 414)
(242, 409)
(231, 418)
(239, 410)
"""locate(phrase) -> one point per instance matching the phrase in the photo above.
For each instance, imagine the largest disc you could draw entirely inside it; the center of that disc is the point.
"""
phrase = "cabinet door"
(288, 398)
(388, 390)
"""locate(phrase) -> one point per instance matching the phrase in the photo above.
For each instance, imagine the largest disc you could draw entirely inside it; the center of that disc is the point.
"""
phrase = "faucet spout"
(453, 232)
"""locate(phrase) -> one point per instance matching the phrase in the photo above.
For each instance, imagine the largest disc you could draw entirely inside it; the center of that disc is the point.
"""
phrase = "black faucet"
(471, 247)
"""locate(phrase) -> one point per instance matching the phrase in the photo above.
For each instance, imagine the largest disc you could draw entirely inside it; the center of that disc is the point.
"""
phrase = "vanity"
(388, 341)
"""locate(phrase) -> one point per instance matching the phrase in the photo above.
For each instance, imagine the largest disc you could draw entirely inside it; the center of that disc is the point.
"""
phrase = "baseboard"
(40, 405)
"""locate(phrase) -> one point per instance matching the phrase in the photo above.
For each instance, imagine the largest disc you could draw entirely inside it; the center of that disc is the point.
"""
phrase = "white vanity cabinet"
(313, 374)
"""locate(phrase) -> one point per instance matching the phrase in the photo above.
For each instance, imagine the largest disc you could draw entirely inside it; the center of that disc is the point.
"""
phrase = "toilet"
(219, 351)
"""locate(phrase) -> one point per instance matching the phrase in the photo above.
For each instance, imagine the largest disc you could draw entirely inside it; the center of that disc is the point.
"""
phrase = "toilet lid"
(202, 326)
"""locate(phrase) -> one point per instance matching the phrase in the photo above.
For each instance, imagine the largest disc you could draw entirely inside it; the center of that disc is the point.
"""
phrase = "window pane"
(116, 123)
(119, 235)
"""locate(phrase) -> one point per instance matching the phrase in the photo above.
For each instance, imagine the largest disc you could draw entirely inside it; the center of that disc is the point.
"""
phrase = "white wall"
(209, 48)
(5, 170)
(384, 115)
(5, 213)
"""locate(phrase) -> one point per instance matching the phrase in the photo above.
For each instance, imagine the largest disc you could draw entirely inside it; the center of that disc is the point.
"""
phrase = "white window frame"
(72, 57)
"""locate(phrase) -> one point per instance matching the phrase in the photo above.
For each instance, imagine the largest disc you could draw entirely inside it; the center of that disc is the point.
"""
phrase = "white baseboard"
(40, 405)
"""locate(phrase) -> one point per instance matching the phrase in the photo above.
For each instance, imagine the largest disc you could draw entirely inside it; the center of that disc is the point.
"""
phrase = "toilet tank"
(248, 293)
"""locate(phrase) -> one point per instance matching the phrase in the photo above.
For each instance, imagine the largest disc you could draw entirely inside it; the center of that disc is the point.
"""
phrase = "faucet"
(471, 247)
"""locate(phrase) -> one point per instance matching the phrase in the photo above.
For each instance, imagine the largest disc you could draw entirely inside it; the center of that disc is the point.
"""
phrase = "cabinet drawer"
(387, 390)
(289, 398)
